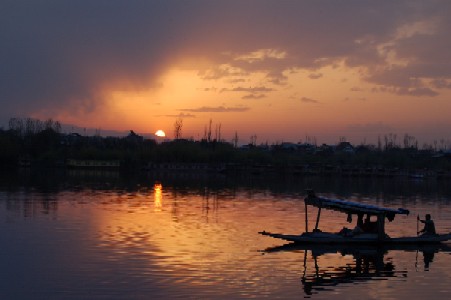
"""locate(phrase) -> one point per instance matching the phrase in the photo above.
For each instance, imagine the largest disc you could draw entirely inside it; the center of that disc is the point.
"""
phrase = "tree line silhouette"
(43, 144)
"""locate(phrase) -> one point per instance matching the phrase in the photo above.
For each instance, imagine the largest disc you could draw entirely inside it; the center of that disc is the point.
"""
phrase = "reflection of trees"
(209, 200)
(382, 190)
(213, 188)
(32, 205)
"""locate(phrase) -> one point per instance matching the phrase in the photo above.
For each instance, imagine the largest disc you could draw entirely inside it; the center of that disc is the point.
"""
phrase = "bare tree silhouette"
(178, 124)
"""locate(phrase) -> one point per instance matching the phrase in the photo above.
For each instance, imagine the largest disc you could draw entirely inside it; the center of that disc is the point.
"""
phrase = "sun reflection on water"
(158, 196)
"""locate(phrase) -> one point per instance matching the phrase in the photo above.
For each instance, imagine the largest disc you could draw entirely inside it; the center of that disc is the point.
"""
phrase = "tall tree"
(178, 124)
(235, 139)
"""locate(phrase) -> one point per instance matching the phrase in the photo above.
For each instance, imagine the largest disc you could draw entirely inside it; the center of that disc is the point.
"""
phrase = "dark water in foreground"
(97, 235)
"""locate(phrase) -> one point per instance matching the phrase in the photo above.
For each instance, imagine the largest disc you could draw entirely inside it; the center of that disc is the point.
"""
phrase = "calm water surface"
(97, 235)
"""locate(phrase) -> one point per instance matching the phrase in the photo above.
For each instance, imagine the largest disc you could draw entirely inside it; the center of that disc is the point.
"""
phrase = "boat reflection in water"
(356, 263)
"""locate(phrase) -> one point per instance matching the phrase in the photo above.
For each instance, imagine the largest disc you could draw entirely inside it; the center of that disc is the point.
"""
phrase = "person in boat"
(368, 226)
(429, 226)
(356, 230)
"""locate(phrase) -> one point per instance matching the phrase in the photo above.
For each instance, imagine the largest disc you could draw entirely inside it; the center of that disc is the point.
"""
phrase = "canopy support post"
(317, 218)
(381, 226)
(306, 218)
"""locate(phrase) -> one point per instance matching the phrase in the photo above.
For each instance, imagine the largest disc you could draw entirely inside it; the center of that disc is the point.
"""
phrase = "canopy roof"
(353, 207)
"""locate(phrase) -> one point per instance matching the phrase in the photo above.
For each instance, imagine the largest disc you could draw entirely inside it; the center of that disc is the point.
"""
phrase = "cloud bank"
(62, 55)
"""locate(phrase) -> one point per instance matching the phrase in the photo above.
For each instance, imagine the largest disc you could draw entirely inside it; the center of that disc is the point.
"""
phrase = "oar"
(418, 232)
(418, 229)
(416, 261)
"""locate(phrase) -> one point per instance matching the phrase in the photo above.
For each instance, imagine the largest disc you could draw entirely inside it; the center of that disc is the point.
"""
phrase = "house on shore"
(92, 163)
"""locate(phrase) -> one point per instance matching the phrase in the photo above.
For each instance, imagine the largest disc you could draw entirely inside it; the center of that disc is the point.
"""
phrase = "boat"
(368, 232)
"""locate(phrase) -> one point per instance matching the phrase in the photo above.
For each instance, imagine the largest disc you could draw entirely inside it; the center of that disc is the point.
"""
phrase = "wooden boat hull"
(332, 238)
(359, 249)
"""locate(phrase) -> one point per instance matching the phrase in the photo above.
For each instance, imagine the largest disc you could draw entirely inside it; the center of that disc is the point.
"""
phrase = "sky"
(277, 71)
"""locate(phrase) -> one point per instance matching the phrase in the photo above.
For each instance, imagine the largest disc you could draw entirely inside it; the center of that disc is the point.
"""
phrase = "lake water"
(103, 235)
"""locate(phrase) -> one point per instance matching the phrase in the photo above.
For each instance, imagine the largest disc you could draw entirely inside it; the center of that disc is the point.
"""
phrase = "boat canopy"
(353, 207)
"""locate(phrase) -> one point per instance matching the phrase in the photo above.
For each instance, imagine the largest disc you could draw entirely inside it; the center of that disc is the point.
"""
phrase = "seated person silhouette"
(369, 226)
(429, 226)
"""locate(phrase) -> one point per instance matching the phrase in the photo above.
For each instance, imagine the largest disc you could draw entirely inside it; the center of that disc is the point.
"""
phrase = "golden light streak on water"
(158, 196)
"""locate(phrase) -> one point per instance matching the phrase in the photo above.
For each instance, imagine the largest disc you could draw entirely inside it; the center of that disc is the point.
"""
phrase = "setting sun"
(160, 133)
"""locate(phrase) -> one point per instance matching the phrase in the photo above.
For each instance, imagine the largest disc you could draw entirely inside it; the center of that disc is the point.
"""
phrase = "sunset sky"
(280, 70)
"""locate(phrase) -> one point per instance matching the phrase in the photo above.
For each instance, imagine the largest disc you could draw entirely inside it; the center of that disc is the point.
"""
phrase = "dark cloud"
(418, 92)
(222, 72)
(405, 91)
(441, 83)
(238, 80)
(315, 75)
(254, 96)
(181, 115)
(256, 89)
(257, 92)
(59, 54)
(212, 89)
(220, 109)
(309, 100)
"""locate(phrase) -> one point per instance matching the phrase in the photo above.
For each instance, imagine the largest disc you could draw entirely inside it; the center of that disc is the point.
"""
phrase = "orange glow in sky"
(329, 103)
(318, 70)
